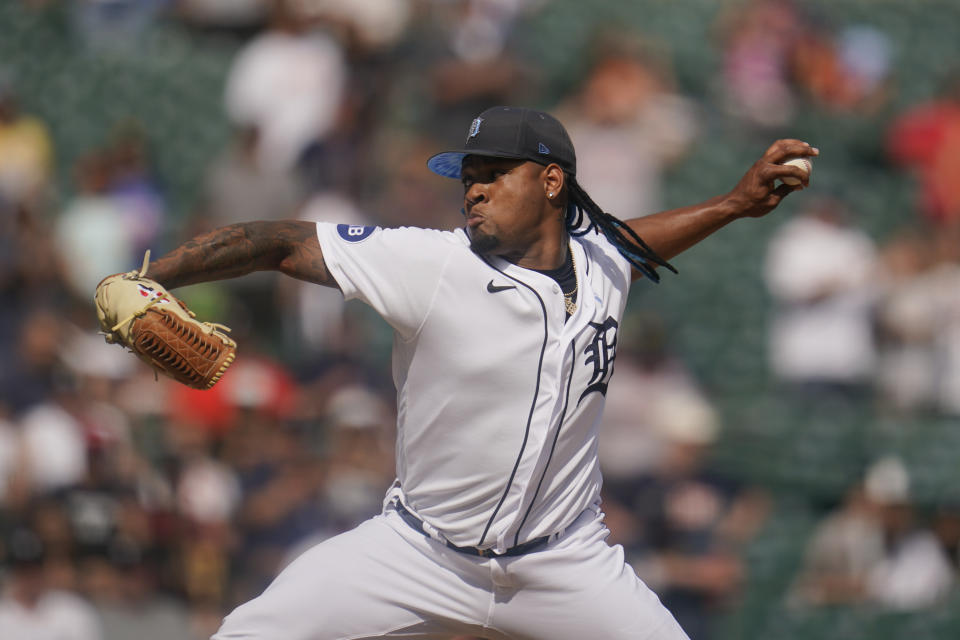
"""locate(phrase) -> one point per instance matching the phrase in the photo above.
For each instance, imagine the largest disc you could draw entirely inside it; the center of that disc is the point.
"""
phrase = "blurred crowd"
(134, 507)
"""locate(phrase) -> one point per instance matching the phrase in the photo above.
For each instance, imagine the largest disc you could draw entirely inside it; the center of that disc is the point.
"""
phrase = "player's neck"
(550, 253)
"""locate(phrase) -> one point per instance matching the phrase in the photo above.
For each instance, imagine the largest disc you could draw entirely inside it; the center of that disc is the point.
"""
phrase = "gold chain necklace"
(568, 301)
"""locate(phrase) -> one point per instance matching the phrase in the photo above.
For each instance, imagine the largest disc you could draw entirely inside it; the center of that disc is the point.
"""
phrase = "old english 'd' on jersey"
(499, 399)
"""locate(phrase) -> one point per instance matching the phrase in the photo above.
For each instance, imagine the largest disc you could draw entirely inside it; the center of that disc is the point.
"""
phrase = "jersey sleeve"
(395, 271)
(608, 256)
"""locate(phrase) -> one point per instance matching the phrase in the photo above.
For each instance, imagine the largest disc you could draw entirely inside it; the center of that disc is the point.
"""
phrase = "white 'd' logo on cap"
(474, 127)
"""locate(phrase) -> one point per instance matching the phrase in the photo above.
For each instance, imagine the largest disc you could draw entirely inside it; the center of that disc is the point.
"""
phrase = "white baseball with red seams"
(803, 163)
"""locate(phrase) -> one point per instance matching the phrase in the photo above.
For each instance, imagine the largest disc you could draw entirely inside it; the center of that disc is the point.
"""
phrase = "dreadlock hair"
(631, 246)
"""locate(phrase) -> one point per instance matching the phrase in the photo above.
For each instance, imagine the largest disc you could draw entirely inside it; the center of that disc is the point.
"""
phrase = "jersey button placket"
(548, 411)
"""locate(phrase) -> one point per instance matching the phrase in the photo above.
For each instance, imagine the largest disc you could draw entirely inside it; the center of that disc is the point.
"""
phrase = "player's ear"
(553, 181)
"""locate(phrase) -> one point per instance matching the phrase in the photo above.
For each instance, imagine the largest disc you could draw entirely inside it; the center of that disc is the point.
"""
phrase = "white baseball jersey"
(499, 399)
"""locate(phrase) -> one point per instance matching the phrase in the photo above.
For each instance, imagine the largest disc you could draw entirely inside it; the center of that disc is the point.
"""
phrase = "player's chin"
(482, 243)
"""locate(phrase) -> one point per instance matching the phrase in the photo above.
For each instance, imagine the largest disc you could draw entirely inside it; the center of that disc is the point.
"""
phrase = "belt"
(417, 525)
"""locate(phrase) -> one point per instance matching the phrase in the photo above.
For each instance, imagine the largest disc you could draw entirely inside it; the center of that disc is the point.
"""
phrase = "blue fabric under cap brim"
(450, 163)
(447, 164)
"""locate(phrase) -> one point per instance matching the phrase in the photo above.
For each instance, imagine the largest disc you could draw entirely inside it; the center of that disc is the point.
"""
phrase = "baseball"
(803, 162)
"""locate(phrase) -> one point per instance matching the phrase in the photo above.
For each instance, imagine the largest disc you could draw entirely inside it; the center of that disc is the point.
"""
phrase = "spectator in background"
(208, 494)
(359, 450)
(373, 34)
(239, 15)
(91, 232)
(684, 526)
(946, 526)
(925, 139)
(266, 473)
(919, 317)
(55, 445)
(30, 608)
(628, 125)
(774, 52)
(115, 214)
(370, 25)
(114, 25)
(48, 517)
(26, 154)
(467, 61)
(114, 516)
(238, 188)
(759, 39)
(13, 487)
(30, 282)
(847, 71)
(30, 270)
(916, 571)
(819, 270)
(944, 282)
(285, 93)
(650, 380)
(907, 320)
(280, 480)
(321, 320)
(28, 375)
(123, 584)
(873, 550)
(132, 185)
(409, 194)
(257, 387)
(846, 545)
(287, 84)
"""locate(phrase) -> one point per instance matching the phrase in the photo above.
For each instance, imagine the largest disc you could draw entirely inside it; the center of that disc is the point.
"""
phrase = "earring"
(550, 194)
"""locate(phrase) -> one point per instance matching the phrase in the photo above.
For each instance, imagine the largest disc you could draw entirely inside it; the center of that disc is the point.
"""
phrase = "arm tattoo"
(288, 246)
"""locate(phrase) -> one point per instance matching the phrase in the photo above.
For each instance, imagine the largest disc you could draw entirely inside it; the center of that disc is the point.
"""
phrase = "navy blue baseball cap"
(511, 132)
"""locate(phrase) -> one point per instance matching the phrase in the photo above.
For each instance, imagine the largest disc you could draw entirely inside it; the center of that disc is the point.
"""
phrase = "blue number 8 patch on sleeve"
(354, 232)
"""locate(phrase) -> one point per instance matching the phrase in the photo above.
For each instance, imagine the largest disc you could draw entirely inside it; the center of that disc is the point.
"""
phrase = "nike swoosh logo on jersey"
(492, 288)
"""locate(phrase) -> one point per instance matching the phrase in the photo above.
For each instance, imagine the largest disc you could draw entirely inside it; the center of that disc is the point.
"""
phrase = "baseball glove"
(140, 314)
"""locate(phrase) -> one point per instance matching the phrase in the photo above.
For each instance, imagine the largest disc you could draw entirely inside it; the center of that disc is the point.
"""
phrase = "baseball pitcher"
(505, 337)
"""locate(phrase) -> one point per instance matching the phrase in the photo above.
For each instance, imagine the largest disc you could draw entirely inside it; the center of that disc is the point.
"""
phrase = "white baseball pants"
(386, 580)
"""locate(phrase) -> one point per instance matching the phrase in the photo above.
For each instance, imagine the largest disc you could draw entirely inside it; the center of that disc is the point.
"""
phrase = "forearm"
(672, 232)
(236, 250)
(758, 192)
